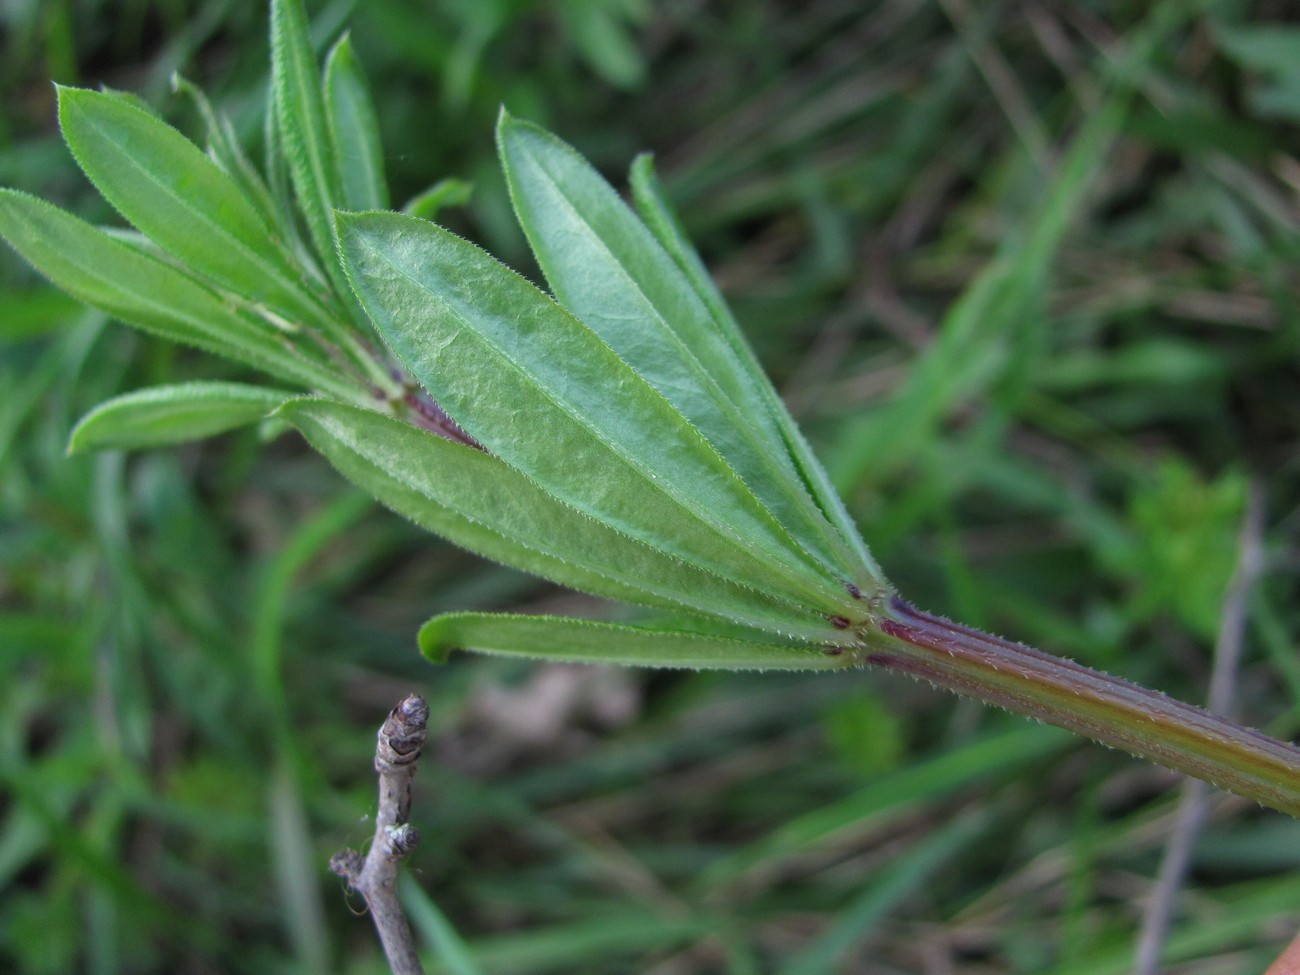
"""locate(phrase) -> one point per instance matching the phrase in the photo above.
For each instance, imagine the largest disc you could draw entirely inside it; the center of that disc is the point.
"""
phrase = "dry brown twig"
(374, 876)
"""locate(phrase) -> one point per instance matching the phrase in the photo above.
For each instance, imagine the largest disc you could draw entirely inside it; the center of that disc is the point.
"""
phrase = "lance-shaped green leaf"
(279, 185)
(300, 117)
(562, 200)
(354, 130)
(569, 640)
(541, 391)
(164, 185)
(225, 150)
(606, 267)
(164, 415)
(152, 295)
(653, 206)
(476, 501)
(450, 192)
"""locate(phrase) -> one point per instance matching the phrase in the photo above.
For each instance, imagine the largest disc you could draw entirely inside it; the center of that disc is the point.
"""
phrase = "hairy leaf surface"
(608, 269)
(544, 393)
(477, 501)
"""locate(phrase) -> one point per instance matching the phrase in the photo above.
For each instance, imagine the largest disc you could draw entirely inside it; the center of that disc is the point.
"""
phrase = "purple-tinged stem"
(1064, 693)
(429, 415)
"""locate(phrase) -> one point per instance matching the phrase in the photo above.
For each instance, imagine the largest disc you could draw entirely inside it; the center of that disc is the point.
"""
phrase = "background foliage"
(1045, 337)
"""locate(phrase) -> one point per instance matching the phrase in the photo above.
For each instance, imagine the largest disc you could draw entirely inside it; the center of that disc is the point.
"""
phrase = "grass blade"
(978, 341)
(881, 895)
(434, 929)
(895, 794)
(289, 841)
(594, 942)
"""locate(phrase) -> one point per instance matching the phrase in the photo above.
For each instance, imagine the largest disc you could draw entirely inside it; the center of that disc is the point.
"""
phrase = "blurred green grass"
(1028, 275)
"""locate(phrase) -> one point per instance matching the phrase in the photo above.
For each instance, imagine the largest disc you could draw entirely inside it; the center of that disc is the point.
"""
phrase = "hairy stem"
(1112, 711)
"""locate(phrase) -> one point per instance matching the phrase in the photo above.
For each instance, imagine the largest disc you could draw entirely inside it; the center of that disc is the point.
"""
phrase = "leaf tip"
(65, 96)
(512, 127)
(72, 96)
(79, 442)
(298, 411)
(342, 57)
(77, 109)
(435, 641)
(342, 49)
(505, 122)
(342, 219)
(286, 409)
(642, 175)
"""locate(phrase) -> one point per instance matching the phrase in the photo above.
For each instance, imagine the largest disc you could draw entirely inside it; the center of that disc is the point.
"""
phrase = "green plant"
(620, 439)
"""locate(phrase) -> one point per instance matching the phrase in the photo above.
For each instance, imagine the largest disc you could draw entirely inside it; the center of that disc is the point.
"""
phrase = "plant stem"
(374, 876)
(1061, 692)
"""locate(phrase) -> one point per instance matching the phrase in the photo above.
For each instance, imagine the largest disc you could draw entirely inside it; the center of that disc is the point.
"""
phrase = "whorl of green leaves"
(619, 438)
